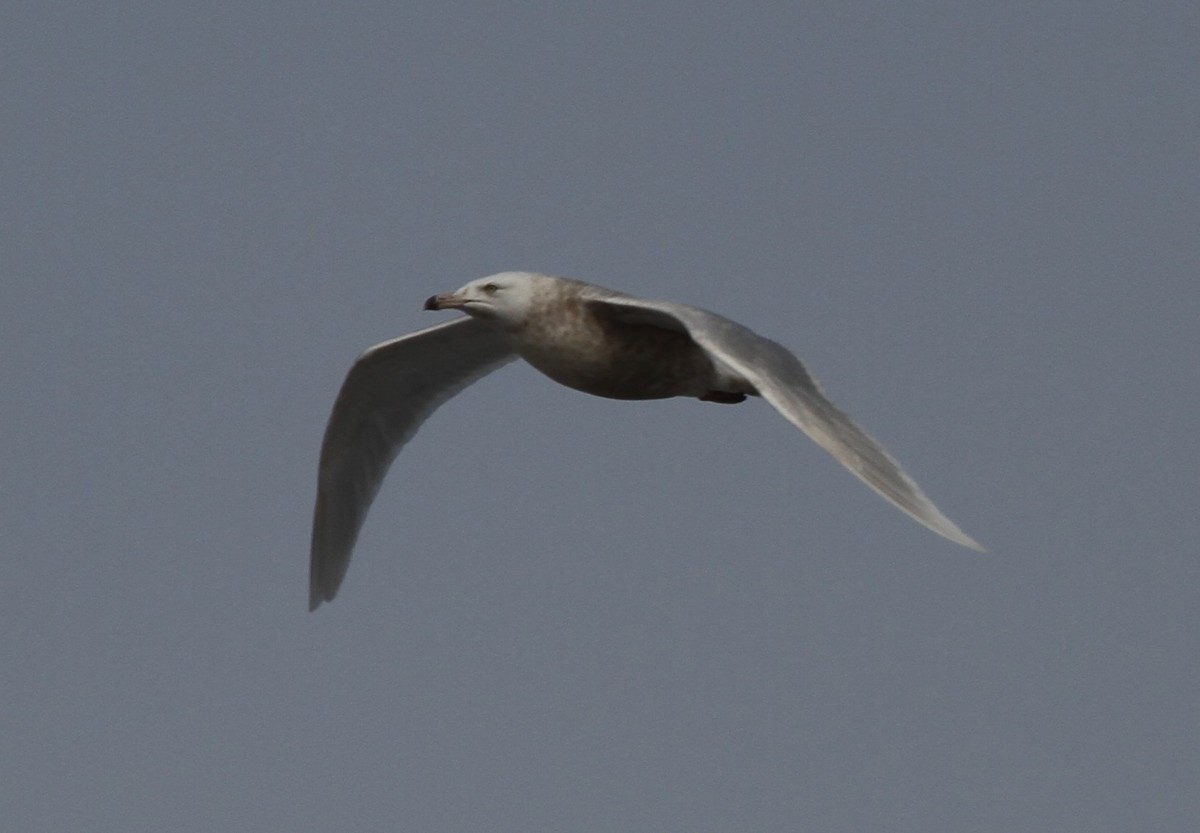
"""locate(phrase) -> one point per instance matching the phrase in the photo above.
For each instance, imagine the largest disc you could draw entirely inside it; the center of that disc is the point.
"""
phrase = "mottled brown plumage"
(587, 348)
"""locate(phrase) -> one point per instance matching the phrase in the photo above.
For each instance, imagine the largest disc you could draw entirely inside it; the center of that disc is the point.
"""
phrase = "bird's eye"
(490, 288)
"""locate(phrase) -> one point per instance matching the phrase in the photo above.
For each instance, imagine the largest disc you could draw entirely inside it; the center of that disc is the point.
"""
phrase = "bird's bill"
(448, 300)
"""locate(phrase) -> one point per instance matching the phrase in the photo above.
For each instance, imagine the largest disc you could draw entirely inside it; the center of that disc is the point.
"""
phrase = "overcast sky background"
(977, 224)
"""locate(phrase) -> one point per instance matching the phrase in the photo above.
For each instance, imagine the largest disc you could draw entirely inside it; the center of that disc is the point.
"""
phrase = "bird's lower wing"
(390, 390)
(783, 381)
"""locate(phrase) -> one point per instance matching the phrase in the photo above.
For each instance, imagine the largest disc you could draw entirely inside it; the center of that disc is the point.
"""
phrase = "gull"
(586, 337)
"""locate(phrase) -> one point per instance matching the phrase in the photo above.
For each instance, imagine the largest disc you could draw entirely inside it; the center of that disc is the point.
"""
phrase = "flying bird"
(586, 337)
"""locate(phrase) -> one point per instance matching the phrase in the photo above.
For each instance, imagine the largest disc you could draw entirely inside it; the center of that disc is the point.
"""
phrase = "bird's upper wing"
(391, 389)
(784, 382)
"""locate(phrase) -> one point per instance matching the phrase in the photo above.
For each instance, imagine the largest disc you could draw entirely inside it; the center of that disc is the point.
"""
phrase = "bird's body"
(585, 337)
(578, 341)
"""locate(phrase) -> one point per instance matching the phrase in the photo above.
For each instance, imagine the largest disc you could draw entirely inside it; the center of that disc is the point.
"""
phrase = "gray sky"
(977, 223)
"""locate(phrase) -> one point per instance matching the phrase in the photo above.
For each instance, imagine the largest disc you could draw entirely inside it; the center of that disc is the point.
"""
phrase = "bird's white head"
(505, 299)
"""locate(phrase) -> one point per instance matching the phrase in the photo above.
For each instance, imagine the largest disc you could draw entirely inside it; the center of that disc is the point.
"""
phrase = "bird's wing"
(391, 389)
(784, 382)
